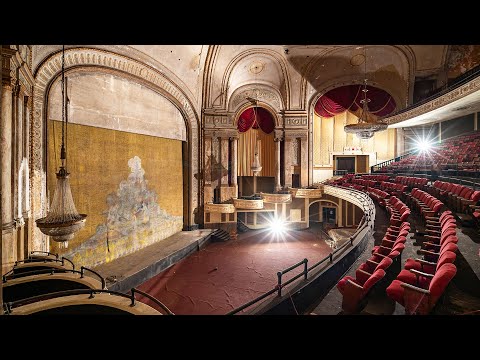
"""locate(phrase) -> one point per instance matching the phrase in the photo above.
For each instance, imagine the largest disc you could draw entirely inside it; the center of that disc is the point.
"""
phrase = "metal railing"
(340, 172)
(45, 260)
(365, 222)
(43, 252)
(14, 304)
(52, 271)
(281, 273)
(377, 167)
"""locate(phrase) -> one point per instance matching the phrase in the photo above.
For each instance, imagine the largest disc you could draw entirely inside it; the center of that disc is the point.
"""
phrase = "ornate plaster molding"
(451, 96)
(261, 93)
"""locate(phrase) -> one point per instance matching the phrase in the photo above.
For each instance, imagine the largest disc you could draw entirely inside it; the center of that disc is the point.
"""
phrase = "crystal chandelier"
(365, 128)
(63, 219)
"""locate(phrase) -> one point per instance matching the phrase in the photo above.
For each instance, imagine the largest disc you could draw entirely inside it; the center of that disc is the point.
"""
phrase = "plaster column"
(19, 155)
(303, 161)
(278, 139)
(26, 156)
(224, 161)
(208, 161)
(288, 161)
(234, 141)
(400, 148)
(6, 148)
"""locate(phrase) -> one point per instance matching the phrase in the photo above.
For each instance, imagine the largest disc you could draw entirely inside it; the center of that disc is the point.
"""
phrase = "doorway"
(345, 163)
(329, 215)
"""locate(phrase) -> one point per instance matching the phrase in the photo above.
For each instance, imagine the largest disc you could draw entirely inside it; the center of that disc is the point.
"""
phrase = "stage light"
(424, 145)
(277, 226)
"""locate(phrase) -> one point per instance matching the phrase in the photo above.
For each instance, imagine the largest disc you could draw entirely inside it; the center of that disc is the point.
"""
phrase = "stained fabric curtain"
(254, 118)
(246, 151)
(347, 98)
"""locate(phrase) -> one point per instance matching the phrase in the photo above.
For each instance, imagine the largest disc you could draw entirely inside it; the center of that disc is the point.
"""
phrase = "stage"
(222, 276)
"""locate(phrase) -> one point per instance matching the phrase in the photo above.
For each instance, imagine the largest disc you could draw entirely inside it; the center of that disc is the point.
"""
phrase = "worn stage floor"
(225, 275)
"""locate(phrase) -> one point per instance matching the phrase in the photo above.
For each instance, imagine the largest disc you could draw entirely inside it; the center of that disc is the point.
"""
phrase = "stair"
(220, 235)
(241, 227)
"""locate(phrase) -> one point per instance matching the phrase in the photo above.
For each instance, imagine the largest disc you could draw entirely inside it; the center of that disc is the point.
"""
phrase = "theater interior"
(240, 180)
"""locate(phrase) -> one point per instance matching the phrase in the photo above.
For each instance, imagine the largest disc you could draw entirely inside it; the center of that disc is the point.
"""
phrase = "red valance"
(348, 98)
(264, 120)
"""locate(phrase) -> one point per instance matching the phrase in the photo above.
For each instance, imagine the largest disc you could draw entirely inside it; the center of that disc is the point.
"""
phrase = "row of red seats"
(422, 282)
(424, 203)
(375, 177)
(355, 290)
(365, 183)
(378, 195)
(460, 153)
(398, 210)
(411, 181)
(458, 197)
(393, 188)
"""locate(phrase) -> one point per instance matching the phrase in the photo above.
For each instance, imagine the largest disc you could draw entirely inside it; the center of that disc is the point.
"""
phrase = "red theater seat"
(418, 300)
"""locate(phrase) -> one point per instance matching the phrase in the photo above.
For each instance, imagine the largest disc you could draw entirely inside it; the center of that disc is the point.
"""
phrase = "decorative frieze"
(306, 193)
(276, 198)
(219, 208)
(451, 96)
(218, 121)
(296, 121)
(262, 94)
(248, 204)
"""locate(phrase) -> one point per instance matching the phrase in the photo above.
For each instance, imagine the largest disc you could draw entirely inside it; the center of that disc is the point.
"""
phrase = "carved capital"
(289, 135)
(7, 85)
(278, 135)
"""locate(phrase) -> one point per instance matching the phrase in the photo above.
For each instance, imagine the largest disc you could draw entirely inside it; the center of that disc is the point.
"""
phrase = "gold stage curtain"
(246, 151)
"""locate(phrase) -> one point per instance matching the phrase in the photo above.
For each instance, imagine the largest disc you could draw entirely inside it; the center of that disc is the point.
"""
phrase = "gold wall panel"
(129, 185)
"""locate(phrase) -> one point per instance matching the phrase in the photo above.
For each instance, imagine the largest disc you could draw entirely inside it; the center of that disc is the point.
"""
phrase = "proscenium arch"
(122, 66)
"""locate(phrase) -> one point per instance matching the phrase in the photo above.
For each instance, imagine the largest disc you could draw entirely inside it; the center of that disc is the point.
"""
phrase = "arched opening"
(256, 136)
(324, 211)
(137, 167)
(339, 107)
(148, 77)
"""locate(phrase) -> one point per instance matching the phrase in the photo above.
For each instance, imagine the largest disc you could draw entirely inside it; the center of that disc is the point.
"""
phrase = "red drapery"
(348, 98)
(264, 120)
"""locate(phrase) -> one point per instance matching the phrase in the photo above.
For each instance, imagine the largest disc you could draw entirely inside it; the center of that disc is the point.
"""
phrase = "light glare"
(277, 226)
(424, 145)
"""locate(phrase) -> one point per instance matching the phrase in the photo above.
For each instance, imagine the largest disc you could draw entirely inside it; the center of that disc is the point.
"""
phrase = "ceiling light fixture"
(365, 128)
(63, 219)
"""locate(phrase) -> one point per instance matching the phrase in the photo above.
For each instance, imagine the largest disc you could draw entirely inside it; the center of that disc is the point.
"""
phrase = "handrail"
(82, 270)
(45, 260)
(43, 252)
(368, 208)
(70, 261)
(52, 271)
(155, 300)
(13, 304)
(29, 260)
(378, 166)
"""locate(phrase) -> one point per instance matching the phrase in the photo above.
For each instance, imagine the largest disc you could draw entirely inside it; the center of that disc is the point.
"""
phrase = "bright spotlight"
(424, 145)
(277, 226)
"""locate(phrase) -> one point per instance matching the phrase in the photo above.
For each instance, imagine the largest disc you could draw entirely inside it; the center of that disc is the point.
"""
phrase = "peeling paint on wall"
(133, 221)
(129, 185)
